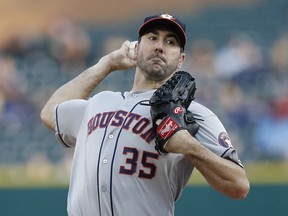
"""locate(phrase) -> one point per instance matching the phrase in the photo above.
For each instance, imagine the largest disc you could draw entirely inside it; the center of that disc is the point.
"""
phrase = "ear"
(181, 60)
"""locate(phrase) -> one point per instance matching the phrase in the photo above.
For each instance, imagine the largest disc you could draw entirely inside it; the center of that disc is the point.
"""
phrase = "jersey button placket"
(103, 188)
(105, 161)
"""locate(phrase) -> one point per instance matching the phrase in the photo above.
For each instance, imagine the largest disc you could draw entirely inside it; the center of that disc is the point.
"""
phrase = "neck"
(142, 83)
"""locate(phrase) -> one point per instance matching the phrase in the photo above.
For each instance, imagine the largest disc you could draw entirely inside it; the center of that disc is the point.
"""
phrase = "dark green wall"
(262, 200)
(199, 201)
(33, 202)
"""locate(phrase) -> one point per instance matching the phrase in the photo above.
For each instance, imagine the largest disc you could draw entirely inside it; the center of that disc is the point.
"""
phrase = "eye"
(171, 41)
(152, 37)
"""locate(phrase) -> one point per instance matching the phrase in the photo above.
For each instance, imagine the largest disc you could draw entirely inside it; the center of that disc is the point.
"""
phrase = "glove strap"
(167, 127)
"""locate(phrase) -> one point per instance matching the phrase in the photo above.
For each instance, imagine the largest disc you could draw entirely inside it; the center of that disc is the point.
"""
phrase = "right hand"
(123, 58)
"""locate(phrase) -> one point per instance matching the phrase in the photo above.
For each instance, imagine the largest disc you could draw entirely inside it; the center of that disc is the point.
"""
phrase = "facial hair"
(156, 72)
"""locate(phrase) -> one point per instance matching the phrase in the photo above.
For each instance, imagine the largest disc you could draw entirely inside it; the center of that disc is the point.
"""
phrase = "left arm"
(222, 174)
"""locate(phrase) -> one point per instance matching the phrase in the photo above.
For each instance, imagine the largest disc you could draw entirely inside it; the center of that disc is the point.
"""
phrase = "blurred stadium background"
(237, 50)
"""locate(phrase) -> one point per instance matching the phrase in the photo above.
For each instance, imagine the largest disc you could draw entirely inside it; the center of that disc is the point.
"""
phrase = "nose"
(159, 47)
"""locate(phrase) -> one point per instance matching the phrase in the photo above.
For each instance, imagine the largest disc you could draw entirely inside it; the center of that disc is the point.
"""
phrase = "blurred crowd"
(245, 84)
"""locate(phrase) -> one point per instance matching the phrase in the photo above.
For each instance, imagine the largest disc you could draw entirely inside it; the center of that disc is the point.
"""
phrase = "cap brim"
(170, 23)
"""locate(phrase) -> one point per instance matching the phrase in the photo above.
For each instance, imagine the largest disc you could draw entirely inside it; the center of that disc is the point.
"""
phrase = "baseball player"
(117, 171)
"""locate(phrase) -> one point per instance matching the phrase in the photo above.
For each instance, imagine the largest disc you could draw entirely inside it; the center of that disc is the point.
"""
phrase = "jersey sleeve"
(213, 135)
(68, 117)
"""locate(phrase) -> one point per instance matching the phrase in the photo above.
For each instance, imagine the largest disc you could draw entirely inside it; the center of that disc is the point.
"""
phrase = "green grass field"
(53, 176)
(258, 173)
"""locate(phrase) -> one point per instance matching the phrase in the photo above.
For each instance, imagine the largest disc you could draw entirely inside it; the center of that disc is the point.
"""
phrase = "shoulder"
(206, 118)
(200, 111)
(81, 104)
(108, 94)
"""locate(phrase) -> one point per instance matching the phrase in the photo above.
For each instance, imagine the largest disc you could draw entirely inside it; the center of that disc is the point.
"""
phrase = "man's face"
(159, 54)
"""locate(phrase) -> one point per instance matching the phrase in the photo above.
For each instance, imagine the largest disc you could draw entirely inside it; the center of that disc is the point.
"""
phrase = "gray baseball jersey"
(116, 170)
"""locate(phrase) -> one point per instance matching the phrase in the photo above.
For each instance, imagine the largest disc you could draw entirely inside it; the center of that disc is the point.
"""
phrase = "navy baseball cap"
(166, 20)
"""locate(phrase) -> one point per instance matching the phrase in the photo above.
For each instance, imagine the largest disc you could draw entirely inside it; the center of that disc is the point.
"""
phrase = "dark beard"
(156, 73)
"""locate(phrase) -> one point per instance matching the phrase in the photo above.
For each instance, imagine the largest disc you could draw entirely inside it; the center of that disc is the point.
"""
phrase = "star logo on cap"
(167, 16)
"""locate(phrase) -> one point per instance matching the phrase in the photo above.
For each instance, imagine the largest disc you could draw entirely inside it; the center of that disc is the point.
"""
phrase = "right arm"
(81, 86)
(222, 174)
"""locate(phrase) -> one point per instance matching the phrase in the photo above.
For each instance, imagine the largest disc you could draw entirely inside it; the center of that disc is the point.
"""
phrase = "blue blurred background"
(237, 51)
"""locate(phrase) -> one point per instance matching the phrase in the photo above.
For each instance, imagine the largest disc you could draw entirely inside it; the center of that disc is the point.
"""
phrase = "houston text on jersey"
(129, 121)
